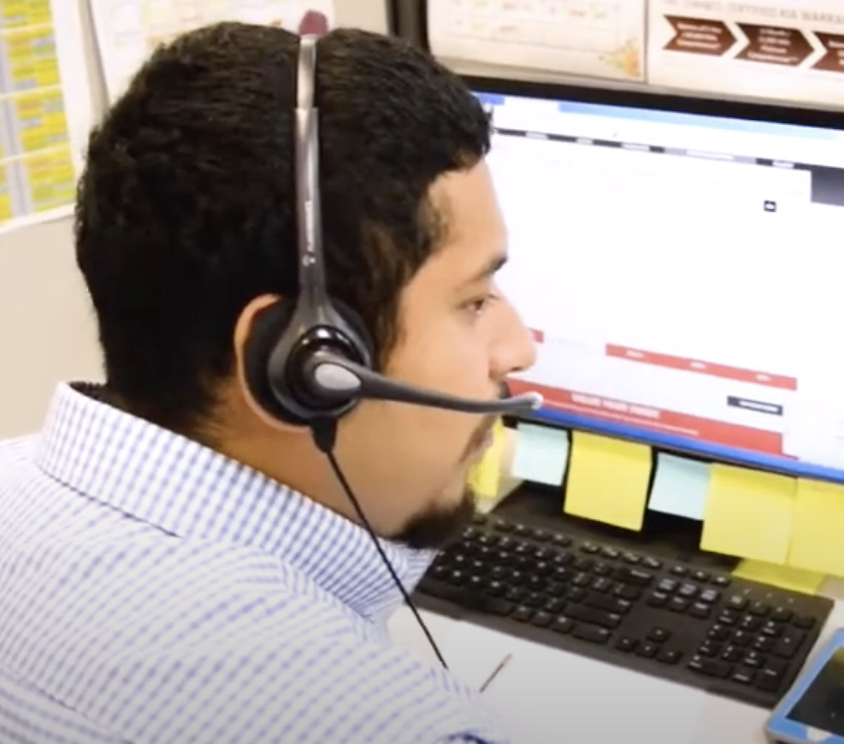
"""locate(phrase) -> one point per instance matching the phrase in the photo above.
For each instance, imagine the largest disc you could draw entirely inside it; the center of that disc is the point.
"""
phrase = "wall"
(47, 330)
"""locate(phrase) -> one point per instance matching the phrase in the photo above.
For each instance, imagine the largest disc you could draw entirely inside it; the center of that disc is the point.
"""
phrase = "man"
(176, 565)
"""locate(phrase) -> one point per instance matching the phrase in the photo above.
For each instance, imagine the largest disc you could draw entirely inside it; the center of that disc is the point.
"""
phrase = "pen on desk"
(495, 672)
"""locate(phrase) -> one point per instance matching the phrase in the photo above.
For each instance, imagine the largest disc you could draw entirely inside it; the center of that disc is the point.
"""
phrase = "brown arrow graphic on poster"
(833, 59)
(774, 46)
(699, 36)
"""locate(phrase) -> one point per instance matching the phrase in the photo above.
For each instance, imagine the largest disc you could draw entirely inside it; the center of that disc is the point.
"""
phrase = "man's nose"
(516, 348)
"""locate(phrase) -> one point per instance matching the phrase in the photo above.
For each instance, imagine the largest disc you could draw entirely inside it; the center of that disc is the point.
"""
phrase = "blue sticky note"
(541, 455)
(680, 487)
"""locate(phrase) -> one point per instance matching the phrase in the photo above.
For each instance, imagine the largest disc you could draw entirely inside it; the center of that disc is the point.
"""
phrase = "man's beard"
(439, 525)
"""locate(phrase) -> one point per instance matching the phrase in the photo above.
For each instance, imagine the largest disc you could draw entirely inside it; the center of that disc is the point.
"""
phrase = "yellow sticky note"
(817, 537)
(748, 514)
(785, 577)
(608, 480)
(485, 476)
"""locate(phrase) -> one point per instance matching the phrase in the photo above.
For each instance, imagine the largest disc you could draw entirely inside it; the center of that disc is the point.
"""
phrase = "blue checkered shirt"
(153, 591)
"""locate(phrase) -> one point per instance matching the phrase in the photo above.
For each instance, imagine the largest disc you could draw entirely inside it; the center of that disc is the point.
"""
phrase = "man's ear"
(243, 329)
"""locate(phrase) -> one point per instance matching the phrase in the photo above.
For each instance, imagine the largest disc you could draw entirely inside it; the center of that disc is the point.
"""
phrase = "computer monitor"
(682, 270)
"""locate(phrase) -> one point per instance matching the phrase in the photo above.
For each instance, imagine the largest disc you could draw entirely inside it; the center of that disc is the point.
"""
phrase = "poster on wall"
(128, 31)
(777, 49)
(46, 109)
(594, 38)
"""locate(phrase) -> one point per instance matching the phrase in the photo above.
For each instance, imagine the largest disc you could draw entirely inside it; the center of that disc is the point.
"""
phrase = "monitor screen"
(681, 274)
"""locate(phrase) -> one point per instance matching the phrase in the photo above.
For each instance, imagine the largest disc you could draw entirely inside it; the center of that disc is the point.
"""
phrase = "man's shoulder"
(17, 450)
(306, 676)
(171, 641)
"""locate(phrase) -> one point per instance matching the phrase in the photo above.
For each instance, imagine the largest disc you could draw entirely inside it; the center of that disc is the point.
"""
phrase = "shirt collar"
(192, 491)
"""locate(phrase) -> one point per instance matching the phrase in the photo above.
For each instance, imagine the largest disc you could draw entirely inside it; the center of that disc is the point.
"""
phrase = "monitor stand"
(662, 536)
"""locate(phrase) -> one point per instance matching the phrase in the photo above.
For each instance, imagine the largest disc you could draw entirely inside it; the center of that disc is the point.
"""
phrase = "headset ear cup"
(268, 326)
(362, 339)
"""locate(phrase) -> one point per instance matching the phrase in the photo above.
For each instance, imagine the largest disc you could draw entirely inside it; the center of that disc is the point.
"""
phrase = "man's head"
(186, 229)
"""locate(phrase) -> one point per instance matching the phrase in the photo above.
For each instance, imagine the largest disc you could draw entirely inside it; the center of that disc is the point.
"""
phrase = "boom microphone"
(334, 375)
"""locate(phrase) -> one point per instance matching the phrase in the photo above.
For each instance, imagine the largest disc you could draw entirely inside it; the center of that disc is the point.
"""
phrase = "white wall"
(47, 331)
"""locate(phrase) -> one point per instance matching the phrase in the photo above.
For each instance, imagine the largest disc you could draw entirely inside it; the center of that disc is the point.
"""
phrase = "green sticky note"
(541, 454)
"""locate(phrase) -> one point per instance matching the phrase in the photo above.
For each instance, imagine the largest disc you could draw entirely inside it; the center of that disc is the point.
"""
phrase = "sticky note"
(680, 486)
(785, 577)
(608, 480)
(542, 453)
(485, 476)
(817, 537)
(748, 514)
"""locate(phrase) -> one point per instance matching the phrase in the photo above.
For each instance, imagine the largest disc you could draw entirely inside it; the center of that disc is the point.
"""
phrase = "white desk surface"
(545, 696)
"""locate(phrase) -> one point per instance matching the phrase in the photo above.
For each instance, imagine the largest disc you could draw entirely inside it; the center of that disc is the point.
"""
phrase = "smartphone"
(812, 711)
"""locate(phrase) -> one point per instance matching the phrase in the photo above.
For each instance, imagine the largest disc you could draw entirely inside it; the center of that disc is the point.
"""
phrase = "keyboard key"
(710, 596)
(782, 615)
(737, 602)
(769, 680)
(678, 604)
(657, 599)
(710, 667)
(759, 608)
(701, 610)
(750, 622)
(659, 635)
(522, 614)
(669, 656)
(625, 644)
(626, 591)
(805, 622)
(541, 619)
(786, 647)
(667, 585)
(719, 633)
(744, 676)
(646, 650)
(609, 604)
(562, 625)
(688, 590)
(593, 616)
(591, 633)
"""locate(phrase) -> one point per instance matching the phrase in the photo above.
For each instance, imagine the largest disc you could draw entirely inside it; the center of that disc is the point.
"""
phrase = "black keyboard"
(740, 639)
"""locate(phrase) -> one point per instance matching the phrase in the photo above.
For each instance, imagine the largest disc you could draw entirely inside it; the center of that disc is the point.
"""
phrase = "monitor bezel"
(746, 111)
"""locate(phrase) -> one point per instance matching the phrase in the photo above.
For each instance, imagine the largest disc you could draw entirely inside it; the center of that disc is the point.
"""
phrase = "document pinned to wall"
(777, 49)
(594, 38)
(46, 108)
(128, 31)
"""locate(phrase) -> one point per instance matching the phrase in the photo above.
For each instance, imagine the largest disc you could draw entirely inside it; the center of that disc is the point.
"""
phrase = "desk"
(547, 696)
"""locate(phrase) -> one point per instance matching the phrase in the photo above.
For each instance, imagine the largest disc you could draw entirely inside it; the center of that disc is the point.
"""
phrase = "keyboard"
(703, 628)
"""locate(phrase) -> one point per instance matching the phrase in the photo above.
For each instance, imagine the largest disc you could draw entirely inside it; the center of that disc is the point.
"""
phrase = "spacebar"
(469, 600)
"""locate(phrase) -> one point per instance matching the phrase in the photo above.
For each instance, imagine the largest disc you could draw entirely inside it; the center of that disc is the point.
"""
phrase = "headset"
(309, 361)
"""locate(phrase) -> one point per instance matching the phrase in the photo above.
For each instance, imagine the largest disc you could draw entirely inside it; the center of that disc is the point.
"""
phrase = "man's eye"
(480, 304)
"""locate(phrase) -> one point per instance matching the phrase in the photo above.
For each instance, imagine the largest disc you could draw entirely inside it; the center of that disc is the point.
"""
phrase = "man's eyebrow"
(489, 269)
